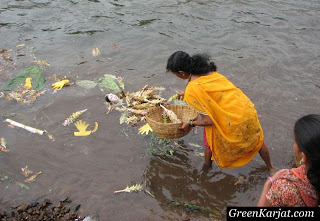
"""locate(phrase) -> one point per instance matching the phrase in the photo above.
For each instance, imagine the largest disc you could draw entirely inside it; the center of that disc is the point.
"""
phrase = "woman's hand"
(180, 95)
(185, 125)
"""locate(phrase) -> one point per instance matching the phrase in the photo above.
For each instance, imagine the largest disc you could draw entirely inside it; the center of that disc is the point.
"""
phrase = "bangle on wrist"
(190, 123)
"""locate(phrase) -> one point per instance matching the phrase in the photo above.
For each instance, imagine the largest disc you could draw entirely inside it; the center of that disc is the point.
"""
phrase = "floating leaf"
(3, 142)
(96, 126)
(195, 145)
(50, 136)
(3, 177)
(133, 188)
(123, 117)
(240, 180)
(6, 57)
(110, 83)
(34, 72)
(31, 179)
(86, 84)
(20, 45)
(22, 185)
(114, 45)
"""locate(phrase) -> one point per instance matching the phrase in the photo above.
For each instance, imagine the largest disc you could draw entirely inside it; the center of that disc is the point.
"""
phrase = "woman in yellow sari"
(232, 132)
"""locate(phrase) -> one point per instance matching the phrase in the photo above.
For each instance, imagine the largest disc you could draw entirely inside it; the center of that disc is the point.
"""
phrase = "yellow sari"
(236, 135)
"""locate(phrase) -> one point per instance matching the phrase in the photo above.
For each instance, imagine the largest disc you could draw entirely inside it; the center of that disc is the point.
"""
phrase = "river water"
(270, 49)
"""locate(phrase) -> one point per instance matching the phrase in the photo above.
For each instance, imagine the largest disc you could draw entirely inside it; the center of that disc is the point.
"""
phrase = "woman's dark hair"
(198, 64)
(307, 136)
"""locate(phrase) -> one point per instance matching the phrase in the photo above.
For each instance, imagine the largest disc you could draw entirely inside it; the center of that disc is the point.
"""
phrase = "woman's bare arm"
(204, 121)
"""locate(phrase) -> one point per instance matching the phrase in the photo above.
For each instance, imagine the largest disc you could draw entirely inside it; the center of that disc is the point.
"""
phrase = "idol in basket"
(232, 131)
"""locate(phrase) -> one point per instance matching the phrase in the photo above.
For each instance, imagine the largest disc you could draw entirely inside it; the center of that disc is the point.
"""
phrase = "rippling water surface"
(269, 49)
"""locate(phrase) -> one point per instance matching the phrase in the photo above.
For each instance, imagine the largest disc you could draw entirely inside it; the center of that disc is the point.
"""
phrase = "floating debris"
(30, 129)
(96, 126)
(86, 84)
(4, 177)
(50, 136)
(60, 84)
(3, 50)
(3, 146)
(41, 62)
(73, 117)
(31, 179)
(24, 95)
(240, 180)
(197, 153)
(133, 188)
(25, 171)
(111, 84)
(34, 72)
(22, 185)
(28, 83)
(95, 52)
(20, 45)
(6, 57)
(112, 98)
(114, 45)
(192, 207)
(195, 145)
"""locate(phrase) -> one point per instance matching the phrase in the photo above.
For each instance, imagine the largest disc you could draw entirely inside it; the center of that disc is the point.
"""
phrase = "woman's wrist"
(190, 123)
(270, 179)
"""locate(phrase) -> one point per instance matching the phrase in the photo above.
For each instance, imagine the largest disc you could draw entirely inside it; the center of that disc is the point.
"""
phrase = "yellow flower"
(28, 83)
(145, 129)
(58, 85)
(82, 127)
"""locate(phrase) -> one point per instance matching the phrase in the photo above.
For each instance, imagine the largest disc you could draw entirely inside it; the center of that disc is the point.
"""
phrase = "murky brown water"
(269, 49)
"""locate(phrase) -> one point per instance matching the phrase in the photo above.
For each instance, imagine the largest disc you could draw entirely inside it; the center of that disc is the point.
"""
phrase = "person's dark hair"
(307, 136)
(198, 64)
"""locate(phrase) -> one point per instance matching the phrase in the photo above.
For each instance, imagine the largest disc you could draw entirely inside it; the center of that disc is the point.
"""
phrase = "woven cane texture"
(170, 130)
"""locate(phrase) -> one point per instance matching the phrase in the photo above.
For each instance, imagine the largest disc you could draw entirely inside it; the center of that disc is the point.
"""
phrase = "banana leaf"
(34, 72)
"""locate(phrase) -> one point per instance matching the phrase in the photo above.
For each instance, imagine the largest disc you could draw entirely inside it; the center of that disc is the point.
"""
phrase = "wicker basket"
(170, 130)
